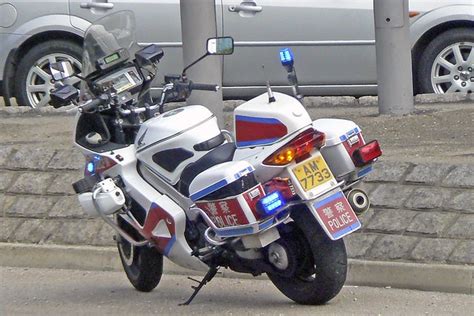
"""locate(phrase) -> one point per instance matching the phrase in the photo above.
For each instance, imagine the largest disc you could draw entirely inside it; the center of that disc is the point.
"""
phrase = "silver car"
(333, 42)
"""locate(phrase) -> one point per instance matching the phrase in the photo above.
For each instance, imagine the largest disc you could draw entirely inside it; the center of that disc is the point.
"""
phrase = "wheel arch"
(13, 58)
(430, 34)
(431, 24)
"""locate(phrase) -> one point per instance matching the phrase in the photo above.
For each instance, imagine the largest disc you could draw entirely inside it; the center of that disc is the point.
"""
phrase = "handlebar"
(177, 86)
(93, 104)
(203, 86)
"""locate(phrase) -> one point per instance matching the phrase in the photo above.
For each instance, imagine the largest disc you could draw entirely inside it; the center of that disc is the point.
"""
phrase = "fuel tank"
(169, 142)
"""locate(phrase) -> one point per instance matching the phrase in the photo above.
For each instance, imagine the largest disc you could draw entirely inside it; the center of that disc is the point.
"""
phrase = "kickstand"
(207, 278)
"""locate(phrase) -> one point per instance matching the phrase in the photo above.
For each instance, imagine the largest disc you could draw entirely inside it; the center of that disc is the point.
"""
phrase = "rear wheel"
(312, 268)
(143, 265)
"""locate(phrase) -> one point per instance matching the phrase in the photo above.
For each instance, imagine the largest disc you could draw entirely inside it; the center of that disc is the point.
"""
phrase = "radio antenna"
(271, 97)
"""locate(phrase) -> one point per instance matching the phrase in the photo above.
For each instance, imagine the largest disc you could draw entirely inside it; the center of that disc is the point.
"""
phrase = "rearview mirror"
(64, 95)
(61, 70)
(220, 45)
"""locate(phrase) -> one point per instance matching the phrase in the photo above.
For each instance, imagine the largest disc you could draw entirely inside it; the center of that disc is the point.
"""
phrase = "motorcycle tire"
(142, 265)
(322, 263)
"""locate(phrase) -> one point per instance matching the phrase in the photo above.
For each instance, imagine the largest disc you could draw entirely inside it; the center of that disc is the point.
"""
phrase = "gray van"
(333, 42)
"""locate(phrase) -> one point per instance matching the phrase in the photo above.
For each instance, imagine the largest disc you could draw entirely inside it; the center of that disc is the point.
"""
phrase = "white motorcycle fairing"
(165, 220)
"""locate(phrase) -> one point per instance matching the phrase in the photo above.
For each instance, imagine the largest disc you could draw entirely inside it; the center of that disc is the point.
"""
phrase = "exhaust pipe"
(359, 201)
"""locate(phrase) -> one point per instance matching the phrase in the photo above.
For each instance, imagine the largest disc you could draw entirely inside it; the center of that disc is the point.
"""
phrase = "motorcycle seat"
(216, 156)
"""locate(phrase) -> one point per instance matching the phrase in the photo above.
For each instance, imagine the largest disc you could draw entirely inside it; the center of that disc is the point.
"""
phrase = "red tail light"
(297, 149)
(367, 153)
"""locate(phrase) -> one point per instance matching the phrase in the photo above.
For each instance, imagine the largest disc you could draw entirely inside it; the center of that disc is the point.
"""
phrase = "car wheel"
(447, 63)
(33, 77)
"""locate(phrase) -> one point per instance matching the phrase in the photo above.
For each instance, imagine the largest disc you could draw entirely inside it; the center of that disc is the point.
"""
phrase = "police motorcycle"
(277, 196)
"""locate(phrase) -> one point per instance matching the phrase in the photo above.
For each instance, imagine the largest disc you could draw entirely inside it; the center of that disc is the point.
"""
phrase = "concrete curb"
(427, 277)
(310, 102)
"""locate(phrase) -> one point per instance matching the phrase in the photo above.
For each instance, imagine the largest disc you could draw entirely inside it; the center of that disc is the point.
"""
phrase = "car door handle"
(97, 5)
(245, 8)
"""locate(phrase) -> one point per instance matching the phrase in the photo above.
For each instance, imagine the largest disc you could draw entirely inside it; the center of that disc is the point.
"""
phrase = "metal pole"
(393, 50)
(198, 23)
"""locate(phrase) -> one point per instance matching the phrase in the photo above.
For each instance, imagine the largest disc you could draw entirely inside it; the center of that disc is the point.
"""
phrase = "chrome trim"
(304, 86)
(253, 226)
(210, 240)
(161, 44)
(277, 43)
(261, 89)
(305, 43)
(121, 232)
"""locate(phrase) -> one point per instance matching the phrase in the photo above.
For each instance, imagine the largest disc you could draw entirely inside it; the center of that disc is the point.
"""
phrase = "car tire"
(33, 78)
(435, 76)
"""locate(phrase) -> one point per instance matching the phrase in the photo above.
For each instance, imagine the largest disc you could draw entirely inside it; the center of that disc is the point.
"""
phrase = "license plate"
(336, 215)
(312, 173)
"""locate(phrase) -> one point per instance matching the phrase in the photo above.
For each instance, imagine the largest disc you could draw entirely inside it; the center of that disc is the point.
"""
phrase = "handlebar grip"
(204, 86)
(92, 105)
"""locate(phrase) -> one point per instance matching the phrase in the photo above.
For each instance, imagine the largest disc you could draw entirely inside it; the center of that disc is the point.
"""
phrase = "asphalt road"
(70, 292)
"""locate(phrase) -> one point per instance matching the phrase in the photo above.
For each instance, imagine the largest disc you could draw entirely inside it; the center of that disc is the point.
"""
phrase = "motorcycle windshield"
(107, 36)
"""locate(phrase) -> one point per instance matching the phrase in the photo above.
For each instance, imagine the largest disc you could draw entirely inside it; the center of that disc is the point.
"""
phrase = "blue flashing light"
(90, 167)
(286, 57)
(270, 203)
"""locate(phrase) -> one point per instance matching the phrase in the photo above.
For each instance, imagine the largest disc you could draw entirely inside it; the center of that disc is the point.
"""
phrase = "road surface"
(26, 291)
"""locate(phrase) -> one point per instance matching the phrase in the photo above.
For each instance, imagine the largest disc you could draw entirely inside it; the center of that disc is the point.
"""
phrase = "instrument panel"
(124, 80)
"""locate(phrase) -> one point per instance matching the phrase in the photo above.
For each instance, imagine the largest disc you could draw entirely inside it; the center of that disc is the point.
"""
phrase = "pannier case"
(343, 137)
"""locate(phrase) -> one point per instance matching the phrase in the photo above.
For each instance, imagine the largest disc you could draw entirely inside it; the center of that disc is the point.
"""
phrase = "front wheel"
(314, 267)
(143, 265)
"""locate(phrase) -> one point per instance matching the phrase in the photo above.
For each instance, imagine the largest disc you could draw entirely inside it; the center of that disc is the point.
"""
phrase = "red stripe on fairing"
(250, 131)
(155, 215)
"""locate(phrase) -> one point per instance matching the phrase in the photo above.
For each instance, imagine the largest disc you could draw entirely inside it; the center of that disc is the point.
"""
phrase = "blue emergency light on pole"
(287, 60)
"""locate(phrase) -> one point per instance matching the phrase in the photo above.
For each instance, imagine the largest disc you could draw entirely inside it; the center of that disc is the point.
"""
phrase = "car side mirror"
(63, 96)
(220, 45)
(62, 70)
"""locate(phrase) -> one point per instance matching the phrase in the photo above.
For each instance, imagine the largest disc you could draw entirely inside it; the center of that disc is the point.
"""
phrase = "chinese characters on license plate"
(312, 173)
(336, 215)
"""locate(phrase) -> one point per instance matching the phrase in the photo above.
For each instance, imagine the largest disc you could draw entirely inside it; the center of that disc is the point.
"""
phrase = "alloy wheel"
(39, 82)
(453, 69)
